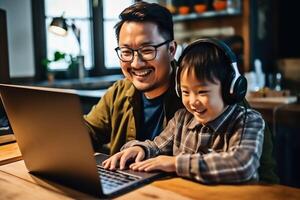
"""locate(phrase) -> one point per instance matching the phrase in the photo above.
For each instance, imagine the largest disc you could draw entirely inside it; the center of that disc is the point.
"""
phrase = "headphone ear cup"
(239, 91)
(225, 86)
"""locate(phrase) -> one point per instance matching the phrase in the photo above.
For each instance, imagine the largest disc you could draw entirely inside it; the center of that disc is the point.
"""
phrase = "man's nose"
(137, 59)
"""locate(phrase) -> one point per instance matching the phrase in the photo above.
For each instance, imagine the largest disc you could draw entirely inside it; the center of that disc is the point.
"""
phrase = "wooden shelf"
(217, 24)
(207, 14)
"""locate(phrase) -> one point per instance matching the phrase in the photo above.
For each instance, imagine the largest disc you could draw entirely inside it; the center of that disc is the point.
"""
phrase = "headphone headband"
(218, 43)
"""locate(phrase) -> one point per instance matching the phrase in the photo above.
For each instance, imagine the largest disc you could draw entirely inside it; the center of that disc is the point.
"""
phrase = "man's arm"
(98, 120)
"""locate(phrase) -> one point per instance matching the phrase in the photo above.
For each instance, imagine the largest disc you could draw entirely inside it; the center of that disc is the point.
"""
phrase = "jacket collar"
(131, 91)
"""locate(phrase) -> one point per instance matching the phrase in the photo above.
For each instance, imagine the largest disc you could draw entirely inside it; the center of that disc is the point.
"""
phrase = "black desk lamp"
(59, 27)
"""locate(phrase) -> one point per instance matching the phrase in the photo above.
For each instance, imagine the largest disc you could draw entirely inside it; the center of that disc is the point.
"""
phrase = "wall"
(20, 37)
(288, 32)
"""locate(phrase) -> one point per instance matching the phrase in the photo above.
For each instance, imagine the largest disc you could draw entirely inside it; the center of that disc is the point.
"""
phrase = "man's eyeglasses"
(146, 53)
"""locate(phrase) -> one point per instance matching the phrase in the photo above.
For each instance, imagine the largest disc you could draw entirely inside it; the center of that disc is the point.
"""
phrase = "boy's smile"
(201, 98)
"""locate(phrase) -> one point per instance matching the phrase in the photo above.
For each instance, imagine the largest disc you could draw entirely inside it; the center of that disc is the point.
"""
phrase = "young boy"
(212, 140)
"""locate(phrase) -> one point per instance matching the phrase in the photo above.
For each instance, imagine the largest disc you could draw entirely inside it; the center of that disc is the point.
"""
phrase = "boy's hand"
(164, 163)
(135, 152)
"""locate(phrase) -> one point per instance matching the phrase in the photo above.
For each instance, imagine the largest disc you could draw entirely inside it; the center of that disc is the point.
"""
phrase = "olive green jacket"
(116, 118)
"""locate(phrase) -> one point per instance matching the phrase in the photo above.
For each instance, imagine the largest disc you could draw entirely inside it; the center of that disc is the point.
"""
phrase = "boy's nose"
(194, 101)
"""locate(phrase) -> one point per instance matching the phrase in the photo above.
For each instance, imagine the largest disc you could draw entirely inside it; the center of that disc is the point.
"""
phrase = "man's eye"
(147, 50)
(126, 52)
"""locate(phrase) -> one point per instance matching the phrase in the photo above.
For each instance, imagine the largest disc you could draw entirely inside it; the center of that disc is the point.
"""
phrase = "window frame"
(40, 46)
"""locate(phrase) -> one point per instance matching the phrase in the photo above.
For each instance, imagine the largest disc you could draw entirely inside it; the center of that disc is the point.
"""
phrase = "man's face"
(201, 98)
(151, 77)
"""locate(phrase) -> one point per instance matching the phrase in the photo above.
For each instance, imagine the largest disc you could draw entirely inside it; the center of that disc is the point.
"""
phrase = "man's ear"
(172, 49)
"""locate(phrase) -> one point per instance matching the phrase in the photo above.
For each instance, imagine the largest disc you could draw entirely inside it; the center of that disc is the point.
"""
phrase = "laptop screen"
(4, 123)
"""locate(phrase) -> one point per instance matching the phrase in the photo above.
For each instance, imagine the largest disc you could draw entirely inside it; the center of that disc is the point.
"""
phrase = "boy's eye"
(184, 92)
(202, 92)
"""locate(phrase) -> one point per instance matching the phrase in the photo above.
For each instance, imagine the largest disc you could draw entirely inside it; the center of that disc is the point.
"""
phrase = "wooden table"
(9, 153)
(17, 183)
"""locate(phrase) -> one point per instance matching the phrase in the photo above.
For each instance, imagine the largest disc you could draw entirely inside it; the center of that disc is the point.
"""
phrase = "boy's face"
(201, 98)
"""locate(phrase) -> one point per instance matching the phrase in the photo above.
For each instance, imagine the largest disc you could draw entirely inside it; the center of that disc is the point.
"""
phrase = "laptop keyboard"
(113, 179)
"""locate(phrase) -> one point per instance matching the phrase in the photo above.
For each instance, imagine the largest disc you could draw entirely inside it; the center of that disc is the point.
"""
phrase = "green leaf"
(45, 62)
(59, 55)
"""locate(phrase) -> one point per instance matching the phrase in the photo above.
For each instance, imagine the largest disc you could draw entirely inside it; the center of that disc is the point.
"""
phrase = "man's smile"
(141, 72)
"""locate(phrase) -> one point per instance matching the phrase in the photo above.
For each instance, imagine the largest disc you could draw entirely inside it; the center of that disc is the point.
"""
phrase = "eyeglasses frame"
(138, 49)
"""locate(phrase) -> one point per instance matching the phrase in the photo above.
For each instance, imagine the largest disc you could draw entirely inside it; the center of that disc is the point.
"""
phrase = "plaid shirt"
(225, 150)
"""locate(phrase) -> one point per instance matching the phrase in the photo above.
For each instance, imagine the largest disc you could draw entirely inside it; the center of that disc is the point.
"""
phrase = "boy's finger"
(123, 161)
(139, 157)
(106, 164)
(114, 161)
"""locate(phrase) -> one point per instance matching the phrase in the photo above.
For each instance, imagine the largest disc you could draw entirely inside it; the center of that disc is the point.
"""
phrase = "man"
(140, 106)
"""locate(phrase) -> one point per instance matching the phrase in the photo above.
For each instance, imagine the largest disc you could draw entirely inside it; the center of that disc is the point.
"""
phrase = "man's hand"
(135, 152)
(164, 163)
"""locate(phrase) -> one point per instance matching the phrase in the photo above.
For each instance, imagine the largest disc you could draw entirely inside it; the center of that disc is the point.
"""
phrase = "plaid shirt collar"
(216, 123)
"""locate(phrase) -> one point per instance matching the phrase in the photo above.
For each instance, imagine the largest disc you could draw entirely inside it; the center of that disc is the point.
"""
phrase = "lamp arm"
(76, 31)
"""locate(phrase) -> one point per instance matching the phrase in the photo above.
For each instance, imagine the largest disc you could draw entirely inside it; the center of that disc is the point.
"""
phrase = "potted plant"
(46, 62)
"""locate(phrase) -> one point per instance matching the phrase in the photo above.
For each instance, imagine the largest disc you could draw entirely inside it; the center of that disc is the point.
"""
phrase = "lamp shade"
(59, 26)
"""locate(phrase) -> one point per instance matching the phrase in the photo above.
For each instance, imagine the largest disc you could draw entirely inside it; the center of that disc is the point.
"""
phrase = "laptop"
(55, 144)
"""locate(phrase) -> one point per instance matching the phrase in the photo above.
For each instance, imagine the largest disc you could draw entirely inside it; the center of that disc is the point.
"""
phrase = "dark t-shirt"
(152, 118)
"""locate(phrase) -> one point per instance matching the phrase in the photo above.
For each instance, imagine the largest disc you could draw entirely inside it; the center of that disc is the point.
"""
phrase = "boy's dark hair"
(209, 63)
(148, 12)
(213, 60)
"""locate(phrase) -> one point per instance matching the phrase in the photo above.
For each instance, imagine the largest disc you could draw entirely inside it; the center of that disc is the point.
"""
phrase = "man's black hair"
(147, 12)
